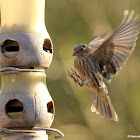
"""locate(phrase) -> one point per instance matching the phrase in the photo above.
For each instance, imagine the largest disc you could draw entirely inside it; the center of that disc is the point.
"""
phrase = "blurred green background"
(72, 22)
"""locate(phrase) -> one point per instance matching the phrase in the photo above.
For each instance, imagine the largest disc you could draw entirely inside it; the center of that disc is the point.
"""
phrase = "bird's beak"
(74, 53)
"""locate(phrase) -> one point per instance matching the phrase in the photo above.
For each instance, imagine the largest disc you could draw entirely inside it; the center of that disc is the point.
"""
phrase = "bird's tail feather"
(106, 109)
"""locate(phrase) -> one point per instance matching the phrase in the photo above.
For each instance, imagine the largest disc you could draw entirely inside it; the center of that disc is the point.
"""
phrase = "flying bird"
(101, 59)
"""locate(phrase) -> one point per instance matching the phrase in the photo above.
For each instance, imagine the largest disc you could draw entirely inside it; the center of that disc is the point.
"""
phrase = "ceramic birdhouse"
(25, 51)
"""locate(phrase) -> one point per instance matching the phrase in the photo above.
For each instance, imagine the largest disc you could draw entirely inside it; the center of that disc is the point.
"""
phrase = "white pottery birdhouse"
(25, 51)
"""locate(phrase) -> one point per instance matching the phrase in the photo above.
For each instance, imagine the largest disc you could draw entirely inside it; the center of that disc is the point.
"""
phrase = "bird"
(101, 59)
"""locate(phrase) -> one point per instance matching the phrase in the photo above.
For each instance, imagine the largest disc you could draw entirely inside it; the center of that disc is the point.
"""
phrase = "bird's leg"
(77, 79)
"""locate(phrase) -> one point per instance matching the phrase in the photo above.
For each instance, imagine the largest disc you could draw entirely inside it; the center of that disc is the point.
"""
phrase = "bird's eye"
(81, 49)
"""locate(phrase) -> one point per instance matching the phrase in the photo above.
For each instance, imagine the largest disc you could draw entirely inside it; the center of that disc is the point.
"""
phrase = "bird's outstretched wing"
(97, 41)
(113, 53)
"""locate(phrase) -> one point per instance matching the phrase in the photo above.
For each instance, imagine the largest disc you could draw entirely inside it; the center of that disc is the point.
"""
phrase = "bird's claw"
(77, 79)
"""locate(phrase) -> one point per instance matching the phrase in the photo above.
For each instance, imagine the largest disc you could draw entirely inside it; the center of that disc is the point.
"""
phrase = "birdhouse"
(25, 51)
(25, 101)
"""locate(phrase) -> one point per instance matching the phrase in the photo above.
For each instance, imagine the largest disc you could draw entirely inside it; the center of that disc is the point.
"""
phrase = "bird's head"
(80, 50)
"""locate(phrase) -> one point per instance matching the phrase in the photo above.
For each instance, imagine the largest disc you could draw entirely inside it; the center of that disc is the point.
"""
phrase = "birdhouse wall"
(26, 110)
(25, 50)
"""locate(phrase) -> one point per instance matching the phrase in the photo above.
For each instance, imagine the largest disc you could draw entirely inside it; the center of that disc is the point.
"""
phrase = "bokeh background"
(72, 22)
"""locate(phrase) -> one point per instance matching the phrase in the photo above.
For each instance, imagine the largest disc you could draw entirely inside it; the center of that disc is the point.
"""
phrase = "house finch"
(101, 59)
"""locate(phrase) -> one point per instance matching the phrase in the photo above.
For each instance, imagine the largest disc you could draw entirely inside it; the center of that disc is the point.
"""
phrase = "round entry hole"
(10, 49)
(50, 109)
(14, 109)
(47, 46)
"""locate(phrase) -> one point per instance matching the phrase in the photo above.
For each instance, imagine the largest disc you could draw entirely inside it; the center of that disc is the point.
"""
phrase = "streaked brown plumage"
(101, 59)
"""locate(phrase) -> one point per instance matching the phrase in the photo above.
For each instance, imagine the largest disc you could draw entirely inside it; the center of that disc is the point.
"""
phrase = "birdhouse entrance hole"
(14, 109)
(50, 109)
(10, 49)
(47, 46)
